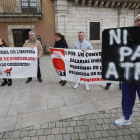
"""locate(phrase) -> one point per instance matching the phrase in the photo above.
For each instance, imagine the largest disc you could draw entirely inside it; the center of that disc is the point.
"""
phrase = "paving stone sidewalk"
(30, 105)
(95, 126)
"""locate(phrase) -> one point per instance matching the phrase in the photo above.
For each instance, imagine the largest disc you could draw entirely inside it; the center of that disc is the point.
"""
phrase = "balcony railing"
(20, 7)
(20, 10)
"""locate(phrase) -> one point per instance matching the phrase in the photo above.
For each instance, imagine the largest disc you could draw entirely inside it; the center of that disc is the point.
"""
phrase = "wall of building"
(45, 27)
(77, 18)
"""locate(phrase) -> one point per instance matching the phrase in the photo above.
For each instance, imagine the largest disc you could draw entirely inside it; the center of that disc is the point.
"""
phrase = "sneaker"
(77, 85)
(87, 87)
(122, 121)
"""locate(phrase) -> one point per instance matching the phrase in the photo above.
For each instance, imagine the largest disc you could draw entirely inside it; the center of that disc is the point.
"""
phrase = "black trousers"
(7, 80)
(38, 71)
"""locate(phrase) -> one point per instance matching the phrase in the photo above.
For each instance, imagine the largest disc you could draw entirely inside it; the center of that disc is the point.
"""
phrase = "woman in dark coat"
(60, 42)
(3, 44)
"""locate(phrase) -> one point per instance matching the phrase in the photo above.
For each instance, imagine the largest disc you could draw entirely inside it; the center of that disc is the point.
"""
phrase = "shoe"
(28, 81)
(4, 83)
(122, 121)
(87, 87)
(40, 80)
(107, 87)
(77, 85)
(61, 82)
(9, 84)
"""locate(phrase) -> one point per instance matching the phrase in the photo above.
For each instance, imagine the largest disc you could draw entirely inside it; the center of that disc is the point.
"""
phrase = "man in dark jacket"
(38, 38)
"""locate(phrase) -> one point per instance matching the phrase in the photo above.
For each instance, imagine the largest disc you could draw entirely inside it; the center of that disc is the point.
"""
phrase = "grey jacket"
(82, 45)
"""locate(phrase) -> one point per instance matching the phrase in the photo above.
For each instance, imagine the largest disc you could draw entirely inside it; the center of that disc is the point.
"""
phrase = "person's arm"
(40, 50)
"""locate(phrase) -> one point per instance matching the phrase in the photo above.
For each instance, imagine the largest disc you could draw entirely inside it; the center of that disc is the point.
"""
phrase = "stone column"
(61, 11)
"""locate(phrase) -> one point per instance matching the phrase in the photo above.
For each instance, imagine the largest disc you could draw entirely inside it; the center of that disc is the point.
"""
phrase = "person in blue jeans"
(129, 91)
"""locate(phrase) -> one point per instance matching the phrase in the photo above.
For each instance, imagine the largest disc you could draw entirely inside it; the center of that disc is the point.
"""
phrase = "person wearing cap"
(83, 45)
(128, 96)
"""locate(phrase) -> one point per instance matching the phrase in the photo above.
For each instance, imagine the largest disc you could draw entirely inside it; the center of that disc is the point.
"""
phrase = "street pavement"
(47, 111)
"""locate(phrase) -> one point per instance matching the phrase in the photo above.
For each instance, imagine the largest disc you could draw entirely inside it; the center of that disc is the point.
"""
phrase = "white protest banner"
(82, 67)
(18, 62)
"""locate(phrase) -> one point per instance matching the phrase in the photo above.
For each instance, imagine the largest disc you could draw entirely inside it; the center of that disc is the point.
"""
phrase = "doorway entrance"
(20, 36)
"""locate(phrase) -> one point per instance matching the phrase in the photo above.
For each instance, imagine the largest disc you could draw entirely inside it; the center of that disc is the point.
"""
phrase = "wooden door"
(18, 37)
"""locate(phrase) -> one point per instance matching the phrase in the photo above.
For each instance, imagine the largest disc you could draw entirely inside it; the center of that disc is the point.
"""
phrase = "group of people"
(33, 41)
(81, 44)
(128, 89)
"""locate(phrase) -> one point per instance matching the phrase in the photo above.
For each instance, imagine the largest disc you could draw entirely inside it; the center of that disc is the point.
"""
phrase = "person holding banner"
(3, 44)
(128, 96)
(33, 42)
(60, 42)
(83, 45)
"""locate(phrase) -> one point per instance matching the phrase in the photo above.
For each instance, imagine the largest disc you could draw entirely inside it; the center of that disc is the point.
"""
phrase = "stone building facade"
(18, 17)
(72, 16)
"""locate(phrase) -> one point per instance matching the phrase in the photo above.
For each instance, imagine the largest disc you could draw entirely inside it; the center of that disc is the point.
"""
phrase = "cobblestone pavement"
(95, 126)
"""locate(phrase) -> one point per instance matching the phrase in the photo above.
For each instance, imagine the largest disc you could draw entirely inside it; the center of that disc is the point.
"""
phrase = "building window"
(29, 6)
(94, 30)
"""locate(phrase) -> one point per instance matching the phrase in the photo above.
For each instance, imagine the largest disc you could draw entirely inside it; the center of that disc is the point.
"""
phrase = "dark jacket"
(40, 40)
(61, 44)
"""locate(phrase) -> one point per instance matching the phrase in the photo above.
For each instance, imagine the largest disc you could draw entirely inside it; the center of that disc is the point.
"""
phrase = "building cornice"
(130, 4)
